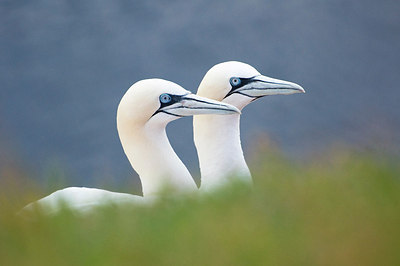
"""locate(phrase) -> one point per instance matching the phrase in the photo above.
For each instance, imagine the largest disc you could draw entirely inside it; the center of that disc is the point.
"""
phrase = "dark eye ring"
(165, 98)
(235, 81)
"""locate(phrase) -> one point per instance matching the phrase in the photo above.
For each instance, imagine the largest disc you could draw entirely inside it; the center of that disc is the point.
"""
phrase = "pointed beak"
(192, 104)
(260, 86)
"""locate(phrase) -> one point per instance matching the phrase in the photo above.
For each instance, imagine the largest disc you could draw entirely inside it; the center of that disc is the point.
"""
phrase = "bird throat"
(217, 140)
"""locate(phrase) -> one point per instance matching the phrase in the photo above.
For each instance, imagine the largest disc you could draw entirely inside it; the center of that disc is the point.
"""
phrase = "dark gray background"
(64, 65)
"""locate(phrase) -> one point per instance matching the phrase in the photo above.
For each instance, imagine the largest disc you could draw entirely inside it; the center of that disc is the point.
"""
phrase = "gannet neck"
(153, 158)
(217, 140)
(143, 113)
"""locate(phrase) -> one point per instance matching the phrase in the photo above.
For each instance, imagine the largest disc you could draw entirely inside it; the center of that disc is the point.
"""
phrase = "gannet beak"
(191, 104)
(260, 86)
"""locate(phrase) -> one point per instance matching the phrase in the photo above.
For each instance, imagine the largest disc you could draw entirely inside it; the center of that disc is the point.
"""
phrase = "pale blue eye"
(235, 81)
(165, 98)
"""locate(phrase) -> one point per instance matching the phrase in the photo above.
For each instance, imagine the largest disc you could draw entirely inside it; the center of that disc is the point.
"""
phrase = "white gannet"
(143, 113)
(217, 138)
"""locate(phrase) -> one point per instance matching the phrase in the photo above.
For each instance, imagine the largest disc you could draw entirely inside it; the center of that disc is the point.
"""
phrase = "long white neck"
(153, 158)
(217, 140)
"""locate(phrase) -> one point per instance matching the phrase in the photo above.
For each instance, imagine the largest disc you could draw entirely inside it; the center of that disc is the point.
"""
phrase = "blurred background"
(64, 66)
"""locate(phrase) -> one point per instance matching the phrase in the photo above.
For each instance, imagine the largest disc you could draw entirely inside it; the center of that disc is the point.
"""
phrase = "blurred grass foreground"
(340, 210)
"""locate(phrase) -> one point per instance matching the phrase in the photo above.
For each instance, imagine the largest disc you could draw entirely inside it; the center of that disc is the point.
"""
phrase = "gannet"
(217, 138)
(143, 113)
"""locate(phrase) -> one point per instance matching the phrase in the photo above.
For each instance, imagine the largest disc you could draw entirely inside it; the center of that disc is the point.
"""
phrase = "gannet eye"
(235, 81)
(165, 98)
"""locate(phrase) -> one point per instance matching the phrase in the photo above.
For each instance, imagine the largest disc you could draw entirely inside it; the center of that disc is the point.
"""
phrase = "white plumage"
(217, 138)
(143, 113)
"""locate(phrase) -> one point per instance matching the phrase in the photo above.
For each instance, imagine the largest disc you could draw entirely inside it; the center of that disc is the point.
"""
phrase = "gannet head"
(239, 84)
(160, 101)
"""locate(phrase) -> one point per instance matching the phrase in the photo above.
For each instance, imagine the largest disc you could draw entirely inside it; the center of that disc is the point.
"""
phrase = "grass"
(340, 210)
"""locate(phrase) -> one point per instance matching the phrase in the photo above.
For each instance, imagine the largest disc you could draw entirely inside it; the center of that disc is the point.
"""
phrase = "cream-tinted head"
(145, 109)
(160, 101)
(239, 84)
